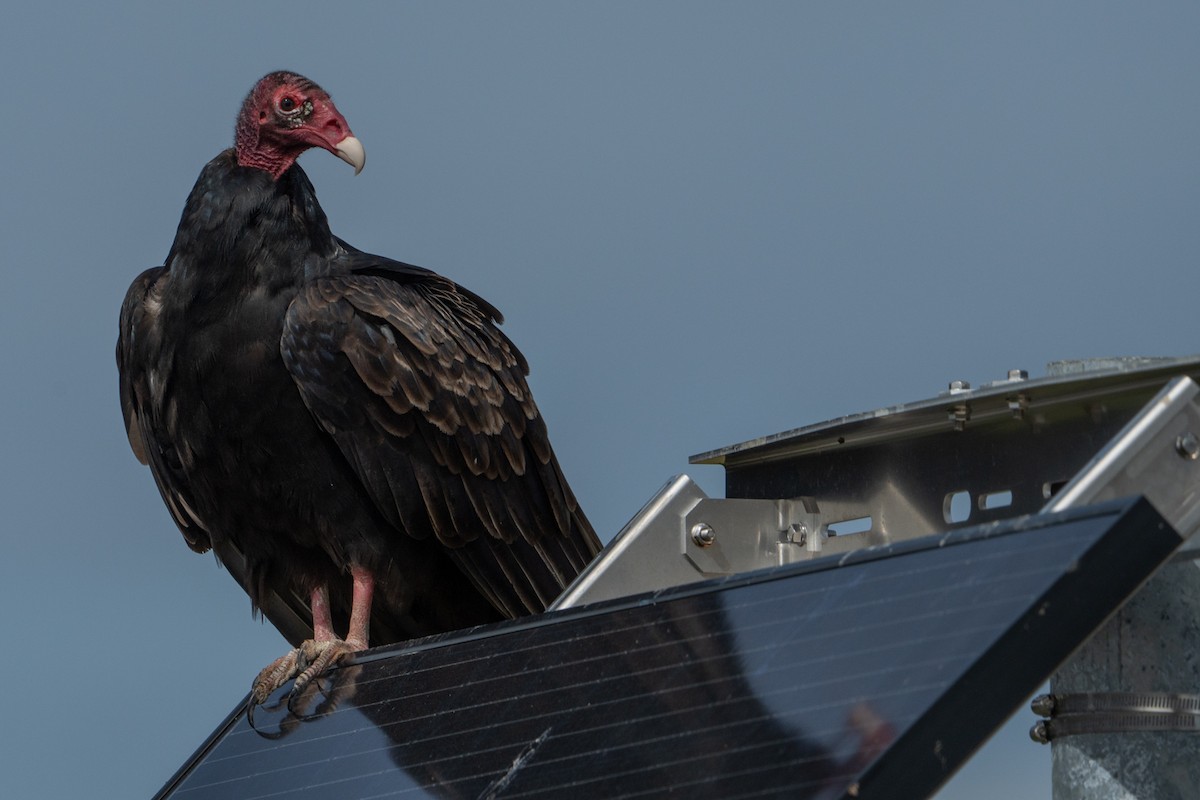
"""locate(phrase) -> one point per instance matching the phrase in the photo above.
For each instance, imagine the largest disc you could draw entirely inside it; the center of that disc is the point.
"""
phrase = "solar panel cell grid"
(797, 682)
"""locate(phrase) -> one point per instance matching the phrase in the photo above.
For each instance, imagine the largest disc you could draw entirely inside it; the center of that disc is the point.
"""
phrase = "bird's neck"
(273, 161)
(254, 152)
(241, 229)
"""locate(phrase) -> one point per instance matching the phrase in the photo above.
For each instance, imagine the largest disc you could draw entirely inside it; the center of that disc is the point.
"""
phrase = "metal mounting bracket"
(829, 497)
(1157, 454)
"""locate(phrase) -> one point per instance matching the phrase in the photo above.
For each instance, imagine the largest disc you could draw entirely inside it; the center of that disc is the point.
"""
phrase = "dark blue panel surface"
(877, 674)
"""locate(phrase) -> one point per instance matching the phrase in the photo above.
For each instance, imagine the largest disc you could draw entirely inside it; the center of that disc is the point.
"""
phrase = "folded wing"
(427, 400)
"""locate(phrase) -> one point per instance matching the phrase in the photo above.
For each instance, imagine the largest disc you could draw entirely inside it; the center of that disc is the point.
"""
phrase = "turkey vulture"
(353, 436)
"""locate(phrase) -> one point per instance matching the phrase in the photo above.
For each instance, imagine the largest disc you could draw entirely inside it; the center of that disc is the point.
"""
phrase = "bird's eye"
(287, 104)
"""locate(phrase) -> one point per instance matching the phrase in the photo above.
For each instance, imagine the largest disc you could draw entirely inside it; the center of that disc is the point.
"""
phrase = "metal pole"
(1152, 645)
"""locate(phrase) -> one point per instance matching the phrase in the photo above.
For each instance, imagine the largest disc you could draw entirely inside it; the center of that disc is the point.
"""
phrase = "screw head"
(703, 534)
(1188, 446)
(1018, 375)
(959, 386)
(1043, 705)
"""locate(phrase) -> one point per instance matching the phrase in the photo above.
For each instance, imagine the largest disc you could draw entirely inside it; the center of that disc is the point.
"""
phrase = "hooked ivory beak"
(351, 151)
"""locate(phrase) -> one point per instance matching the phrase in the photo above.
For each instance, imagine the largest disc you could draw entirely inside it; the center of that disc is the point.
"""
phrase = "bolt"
(1188, 445)
(1017, 405)
(1018, 375)
(959, 386)
(703, 534)
(1040, 732)
(797, 533)
(1043, 705)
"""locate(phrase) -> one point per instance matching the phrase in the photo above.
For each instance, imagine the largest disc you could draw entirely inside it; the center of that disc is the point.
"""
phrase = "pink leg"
(359, 634)
(322, 619)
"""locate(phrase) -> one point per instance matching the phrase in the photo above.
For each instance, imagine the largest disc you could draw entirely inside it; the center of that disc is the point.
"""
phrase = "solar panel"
(871, 675)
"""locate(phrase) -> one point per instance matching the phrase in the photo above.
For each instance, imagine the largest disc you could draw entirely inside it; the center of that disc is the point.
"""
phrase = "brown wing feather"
(136, 328)
(428, 402)
(131, 321)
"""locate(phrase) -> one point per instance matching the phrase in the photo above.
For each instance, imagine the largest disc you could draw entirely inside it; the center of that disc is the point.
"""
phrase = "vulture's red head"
(284, 115)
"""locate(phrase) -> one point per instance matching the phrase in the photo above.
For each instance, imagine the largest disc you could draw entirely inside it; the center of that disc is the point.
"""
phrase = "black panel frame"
(733, 737)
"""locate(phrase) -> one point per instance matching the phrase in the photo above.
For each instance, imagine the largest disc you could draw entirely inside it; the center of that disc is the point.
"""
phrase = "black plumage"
(323, 418)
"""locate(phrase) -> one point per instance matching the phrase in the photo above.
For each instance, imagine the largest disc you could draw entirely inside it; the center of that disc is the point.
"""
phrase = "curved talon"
(316, 657)
(308, 661)
(274, 675)
(250, 706)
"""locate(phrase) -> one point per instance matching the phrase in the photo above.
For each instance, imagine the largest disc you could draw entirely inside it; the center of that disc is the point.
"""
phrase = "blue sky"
(705, 222)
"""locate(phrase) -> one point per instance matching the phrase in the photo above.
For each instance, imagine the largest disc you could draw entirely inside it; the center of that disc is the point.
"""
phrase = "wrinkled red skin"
(284, 115)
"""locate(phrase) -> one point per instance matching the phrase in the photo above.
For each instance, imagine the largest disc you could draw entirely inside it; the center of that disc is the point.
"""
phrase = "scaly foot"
(305, 663)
